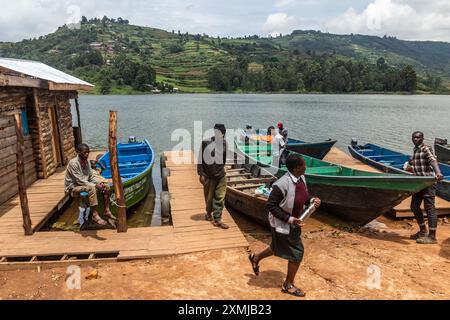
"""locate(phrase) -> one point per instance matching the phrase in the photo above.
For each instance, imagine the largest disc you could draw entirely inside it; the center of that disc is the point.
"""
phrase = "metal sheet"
(40, 71)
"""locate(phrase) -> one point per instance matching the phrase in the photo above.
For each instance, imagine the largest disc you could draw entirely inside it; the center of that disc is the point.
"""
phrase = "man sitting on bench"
(80, 178)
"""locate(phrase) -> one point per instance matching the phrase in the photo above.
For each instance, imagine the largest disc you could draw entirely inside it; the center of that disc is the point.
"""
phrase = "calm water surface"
(387, 120)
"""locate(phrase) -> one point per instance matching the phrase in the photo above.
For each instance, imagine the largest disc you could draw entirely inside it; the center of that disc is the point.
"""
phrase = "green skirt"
(289, 247)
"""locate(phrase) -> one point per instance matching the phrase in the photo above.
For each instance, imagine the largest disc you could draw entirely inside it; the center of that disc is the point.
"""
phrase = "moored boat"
(136, 162)
(442, 149)
(390, 161)
(241, 197)
(316, 150)
(354, 195)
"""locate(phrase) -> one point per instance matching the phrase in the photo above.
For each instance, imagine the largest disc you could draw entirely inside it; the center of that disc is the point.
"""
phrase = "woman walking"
(286, 203)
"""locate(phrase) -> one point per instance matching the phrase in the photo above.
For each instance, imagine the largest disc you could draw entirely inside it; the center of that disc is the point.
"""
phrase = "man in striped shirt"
(424, 163)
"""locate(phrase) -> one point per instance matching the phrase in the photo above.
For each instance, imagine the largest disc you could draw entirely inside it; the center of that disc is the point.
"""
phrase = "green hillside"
(122, 58)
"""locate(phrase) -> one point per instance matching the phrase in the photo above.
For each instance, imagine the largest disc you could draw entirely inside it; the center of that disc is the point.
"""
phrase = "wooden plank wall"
(13, 101)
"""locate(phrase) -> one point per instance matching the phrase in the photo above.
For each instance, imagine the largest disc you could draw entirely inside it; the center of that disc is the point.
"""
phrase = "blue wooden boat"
(316, 150)
(136, 162)
(392, 162)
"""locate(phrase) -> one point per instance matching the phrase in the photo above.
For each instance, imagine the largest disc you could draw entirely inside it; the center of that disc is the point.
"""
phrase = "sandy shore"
(337, 265)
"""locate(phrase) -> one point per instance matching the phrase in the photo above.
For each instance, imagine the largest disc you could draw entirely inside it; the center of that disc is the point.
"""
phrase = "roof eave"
(16, 81)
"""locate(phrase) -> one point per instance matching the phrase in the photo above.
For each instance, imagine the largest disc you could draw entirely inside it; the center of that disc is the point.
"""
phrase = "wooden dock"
(189, 233)
(403, 209)
(45, 197)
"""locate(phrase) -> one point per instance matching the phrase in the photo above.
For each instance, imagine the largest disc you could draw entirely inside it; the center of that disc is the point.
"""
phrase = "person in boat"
(280, 126)
(80, 178)
(279, 145)
(424, 163)
(287, 201)
(211, 169)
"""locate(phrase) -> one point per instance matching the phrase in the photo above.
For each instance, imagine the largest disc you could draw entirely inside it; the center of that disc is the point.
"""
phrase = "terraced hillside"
(182, 60)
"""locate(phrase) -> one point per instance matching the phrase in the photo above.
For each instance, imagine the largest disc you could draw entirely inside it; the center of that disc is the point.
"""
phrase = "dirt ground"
(339, 263)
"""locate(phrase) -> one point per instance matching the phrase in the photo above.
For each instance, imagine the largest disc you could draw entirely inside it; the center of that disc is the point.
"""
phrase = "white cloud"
(406, 19)
(21, 19)
(410, 20)
(280, 23)
(287, 3)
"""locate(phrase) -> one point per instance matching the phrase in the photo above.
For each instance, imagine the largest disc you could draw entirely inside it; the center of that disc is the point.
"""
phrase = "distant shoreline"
(400, 93)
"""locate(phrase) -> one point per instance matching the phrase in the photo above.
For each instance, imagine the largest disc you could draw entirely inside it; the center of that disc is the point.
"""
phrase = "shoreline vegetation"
(123, 59)
(131, 92)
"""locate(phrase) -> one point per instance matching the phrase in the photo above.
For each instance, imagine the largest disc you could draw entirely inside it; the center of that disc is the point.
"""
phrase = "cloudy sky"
(405, 19)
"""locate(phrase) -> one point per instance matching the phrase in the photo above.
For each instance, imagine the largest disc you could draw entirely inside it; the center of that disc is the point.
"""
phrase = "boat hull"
(442, 152)
(354, 205)
(134, 192)
(136, 186)
(315, 150)
(356, 199)
(251, 206)
(442, 188)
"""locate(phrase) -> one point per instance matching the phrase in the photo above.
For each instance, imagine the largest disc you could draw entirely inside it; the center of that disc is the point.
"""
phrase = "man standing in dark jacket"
(211, 169)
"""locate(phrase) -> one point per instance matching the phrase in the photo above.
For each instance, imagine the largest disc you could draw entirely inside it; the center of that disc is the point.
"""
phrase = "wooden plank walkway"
(189, 233)
(45, 197)
(403, 209)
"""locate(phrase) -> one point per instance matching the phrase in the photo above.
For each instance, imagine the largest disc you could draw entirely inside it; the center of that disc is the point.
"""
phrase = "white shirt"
(278, 145)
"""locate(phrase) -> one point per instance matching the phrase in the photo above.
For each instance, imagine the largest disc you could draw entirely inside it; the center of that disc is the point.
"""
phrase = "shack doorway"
(56, 137)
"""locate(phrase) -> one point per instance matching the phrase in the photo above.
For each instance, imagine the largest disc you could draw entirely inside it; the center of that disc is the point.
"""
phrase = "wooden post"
(21, 176)
(39, 125)
(117, 181)
(77, 106)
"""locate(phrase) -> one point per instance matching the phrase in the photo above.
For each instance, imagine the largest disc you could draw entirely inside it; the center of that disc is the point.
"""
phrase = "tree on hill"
(409, 77)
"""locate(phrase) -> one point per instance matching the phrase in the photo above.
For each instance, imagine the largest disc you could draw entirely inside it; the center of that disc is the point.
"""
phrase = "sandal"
(110, 216)
(255, 265)
(297, 293)
(99, 221)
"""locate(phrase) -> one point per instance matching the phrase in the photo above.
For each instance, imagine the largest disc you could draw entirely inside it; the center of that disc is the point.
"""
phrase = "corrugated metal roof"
(40, 71)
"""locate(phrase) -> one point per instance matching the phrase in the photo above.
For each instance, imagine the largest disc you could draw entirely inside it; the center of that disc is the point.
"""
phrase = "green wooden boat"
(136, 162)
(355, 196)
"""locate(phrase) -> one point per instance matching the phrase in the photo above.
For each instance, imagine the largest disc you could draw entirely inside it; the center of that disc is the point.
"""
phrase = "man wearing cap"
(279, 144)
(211, 169)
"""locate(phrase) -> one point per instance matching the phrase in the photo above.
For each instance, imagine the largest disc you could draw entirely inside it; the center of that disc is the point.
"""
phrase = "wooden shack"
(42, 96)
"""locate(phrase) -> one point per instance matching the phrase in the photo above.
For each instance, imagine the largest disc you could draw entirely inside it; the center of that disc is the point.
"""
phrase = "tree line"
(326, 74)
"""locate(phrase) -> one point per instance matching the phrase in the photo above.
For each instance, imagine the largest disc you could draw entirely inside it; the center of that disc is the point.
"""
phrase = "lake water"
(388, 120)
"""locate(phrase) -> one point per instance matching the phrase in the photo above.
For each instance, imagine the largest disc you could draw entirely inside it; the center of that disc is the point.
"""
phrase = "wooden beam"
(41, 146)
(77, 106)
(68, 87)
(117, 181)
(21, 176)
(15, 81)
